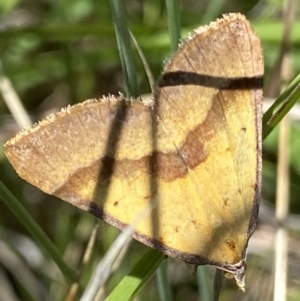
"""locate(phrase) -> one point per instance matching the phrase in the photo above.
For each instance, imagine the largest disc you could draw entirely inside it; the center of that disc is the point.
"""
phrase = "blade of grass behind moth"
(30, 224)
(218, 283)
(14, 269)
(124, 46)
(282, 211)
(62, 9)
(214, 9)
(281, 106)
(104, 268)
(281, 98)
(13, 101)
(86, 257)
(175, 34)
(203, 283)
(173, 23)
(131, 284)
(144, 62)
(164, 291)
(283, 181)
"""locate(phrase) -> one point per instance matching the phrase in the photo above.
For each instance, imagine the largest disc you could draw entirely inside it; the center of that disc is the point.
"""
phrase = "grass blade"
(173, 23)
(281, 106)
(124, 46)
(163, 283)
(139, 275)
(30, 224)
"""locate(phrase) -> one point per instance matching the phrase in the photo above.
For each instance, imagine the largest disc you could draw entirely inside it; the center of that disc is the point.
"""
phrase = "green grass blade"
(105, 267)
(173, 23)
(281, 106)
(23, 216)
(164, 290)
(203, 283)
(139, 275)
(213, 10)
(124, 46)
(144, 62)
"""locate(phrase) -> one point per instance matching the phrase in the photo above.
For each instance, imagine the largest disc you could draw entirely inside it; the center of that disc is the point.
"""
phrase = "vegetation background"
(56, 53)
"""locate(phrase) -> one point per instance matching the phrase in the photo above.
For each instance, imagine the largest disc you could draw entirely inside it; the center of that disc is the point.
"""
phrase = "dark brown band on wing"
(166, 166)
(191, 78)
